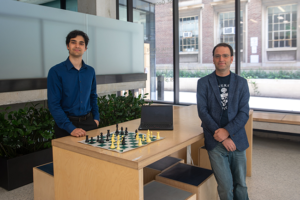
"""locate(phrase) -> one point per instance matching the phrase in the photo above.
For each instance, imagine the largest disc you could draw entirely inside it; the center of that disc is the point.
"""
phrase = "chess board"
(130, 140)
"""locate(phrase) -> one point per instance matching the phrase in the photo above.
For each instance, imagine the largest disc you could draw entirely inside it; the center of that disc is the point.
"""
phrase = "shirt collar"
(70, 65)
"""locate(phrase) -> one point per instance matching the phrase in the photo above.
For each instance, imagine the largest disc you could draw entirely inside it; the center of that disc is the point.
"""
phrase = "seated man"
(222, 102)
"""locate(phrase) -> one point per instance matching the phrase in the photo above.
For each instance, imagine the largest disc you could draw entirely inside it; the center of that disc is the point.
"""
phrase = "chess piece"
(157, 136)
(151, 135)
(101, 140)
(92, 140)
(137, 136)
(86, 138)
(107, 137)
(97, 138)
(143, 138)
(122, 132)
(123, 141)
(108, 133)
(140, 142)
(148, 140)
(118, 145)
(117, 129)
(113, 138)
(118, 137)
(126, 131)
(112, 146)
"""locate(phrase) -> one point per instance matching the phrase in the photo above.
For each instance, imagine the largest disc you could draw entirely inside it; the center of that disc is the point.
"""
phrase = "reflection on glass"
(123, 10)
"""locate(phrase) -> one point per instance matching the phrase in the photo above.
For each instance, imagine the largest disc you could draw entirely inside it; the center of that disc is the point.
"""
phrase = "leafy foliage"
(251, 74)
(119, 109)
(25, 131)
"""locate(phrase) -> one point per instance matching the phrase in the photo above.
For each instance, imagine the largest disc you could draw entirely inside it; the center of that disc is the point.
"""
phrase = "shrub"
(119, 109)
(25, 131)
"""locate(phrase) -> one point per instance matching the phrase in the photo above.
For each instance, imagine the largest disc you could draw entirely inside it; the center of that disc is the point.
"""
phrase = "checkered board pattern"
(131, 142)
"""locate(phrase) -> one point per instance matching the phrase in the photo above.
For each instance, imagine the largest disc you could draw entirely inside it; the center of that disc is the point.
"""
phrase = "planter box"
(16, 172)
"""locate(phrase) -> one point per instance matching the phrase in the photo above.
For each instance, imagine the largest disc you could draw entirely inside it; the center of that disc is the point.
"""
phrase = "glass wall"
(272, 67)
(123, 10)
(117, 44)
(202, 25)
(71, 5)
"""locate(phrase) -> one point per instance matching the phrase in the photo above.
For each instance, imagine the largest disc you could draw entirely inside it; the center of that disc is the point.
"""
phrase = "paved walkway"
(256, 103)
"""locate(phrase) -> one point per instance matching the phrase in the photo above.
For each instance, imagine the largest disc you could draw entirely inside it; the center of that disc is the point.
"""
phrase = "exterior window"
(227, 28)
(282, 26)
(188, 33)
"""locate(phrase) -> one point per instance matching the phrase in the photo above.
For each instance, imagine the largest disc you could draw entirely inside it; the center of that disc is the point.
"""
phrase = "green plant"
(25, 131)
(119, 109)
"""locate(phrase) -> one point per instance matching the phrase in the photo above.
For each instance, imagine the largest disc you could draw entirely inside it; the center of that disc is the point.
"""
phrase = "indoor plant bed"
(25, 142)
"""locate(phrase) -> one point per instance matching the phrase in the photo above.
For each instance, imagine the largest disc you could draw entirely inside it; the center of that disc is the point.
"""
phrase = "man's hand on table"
(97, 122)
(78, 132)
(221, 134)
(229, 144)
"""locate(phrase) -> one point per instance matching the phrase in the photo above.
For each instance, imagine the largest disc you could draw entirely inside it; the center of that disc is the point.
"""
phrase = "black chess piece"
(122, 132)
(117, 129)
(126, 131)
(97, 138)
(86, 138)
(123, 141)
(108, 133)
(107, 137)
(92, 140)
(101, 141)
(136, 132)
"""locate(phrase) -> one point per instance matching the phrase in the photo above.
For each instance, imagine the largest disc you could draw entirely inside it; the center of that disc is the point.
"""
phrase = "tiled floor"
(275, 172)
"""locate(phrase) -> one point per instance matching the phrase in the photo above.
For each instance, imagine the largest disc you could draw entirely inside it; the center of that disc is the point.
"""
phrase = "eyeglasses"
(219, 56)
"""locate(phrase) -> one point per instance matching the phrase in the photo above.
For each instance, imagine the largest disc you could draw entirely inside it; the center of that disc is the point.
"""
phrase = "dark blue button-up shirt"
(71, 92)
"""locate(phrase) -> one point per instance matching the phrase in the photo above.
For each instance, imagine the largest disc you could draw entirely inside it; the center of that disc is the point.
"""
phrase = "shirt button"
(81, 102)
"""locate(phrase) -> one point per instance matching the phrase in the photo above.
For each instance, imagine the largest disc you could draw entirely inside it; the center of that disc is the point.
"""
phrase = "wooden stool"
(192, 179)
(43, 182)
(203, 159)
(159, 166)
(159, 191)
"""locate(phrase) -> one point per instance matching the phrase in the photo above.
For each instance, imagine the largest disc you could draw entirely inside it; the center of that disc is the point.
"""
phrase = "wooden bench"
(278, 122)
(43, 182)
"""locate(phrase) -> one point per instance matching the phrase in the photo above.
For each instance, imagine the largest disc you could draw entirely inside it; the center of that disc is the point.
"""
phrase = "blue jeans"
(230, 171)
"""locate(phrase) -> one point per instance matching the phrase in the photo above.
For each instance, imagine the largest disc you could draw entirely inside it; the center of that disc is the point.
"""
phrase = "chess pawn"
(86, 138)
(137, 136)
(113, 138)
(157, 136)
(118, 145)
(148, 140)
(112, 146)
(140, 142)
(143, 138)
(151, 135)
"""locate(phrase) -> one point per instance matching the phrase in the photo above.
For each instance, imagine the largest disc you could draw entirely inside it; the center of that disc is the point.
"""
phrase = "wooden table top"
(187, 130)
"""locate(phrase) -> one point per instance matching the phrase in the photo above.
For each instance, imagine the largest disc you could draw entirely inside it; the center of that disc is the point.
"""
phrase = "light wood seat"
(43, 182)
(160, 191)
(159, 166)
(280, 118)
(192, 179)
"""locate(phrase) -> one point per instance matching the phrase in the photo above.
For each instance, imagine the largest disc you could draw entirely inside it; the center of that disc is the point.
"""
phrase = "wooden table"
(86, 172)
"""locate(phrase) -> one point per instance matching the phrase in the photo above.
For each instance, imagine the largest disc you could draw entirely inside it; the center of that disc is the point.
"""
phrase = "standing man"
(72, 97)
(222, 102)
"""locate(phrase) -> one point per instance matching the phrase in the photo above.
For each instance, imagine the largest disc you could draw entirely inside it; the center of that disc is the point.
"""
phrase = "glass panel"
(263, 74)
(123, 10)
(44, 31)
(158, 37)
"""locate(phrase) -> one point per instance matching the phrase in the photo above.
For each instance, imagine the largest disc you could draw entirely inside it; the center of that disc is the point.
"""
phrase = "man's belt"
(80, 118)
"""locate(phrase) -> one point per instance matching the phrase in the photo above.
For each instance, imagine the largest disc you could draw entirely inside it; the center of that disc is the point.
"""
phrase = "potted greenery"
(116, 109)
(25, 141)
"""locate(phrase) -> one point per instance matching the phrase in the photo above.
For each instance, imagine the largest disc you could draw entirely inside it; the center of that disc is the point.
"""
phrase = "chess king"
(71, 90)
(222, 102)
